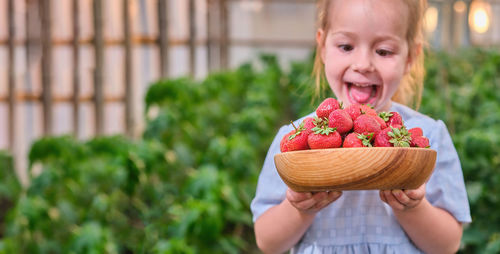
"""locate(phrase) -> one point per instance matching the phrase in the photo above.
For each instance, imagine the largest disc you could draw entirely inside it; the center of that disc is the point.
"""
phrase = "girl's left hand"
(403, 200)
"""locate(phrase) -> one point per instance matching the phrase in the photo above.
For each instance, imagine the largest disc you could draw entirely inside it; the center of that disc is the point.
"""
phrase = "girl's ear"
(412, 55)
(319, 43)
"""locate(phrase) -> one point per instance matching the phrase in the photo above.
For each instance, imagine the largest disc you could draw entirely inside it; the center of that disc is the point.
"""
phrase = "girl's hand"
(309, 202)
(403, 200)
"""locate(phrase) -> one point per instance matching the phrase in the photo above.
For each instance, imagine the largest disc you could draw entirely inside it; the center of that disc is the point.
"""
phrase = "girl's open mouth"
(362, 93)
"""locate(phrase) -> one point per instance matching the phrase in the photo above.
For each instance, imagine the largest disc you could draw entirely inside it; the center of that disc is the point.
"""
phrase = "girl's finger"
(401, 197)
(415, 194)
(392, 201)
(317, 199)
(294, 196)
(334, 195)
(320, 196)
(305, 204)
(330, 198)
(382, 196)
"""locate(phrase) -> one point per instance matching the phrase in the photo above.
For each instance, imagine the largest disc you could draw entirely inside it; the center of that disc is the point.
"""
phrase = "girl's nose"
(363, 64)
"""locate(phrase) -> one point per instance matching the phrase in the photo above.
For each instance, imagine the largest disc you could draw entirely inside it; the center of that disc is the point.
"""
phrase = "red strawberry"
(326, 107)
(340, 120)
(393, 136)
(324, 137)
(416, 132)
(355, 110)
(357, 140)
(385, 115)
(400, 137)
(366, 124)
(381, 121)
(367, 110)
(382, 138)
(395, 119)
(309, 124)
(420, 141)
(391, 118)
(295, 139)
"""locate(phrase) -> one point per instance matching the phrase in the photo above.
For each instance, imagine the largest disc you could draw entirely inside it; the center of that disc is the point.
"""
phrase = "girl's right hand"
(309, 202)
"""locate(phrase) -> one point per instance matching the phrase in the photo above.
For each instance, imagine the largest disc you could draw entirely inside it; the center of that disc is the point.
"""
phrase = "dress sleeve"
(270, 188)
(446, 188)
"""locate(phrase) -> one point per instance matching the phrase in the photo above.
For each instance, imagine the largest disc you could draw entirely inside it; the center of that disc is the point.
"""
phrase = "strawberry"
(366, 124)
(420, 141)
(416, 132)
(309, 124)
(295, 139)
(326, 107)
(340, 120)
(367, 110)
(381, 121)
(385, 115)
(355, 110)
(382, 138)
(324, 137)
(357, 140)
(395, 119)
(400, 137)
(391, 118)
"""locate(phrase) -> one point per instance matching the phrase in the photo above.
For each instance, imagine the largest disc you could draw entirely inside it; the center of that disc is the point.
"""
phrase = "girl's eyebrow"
(344, 33)
(379, 38)
(388, 38)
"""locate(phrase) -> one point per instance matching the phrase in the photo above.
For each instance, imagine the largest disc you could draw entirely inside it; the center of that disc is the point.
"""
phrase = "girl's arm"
(431, 229)
(282, 226)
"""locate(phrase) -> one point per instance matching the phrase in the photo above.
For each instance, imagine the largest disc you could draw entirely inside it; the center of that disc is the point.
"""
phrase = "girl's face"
(365, 51)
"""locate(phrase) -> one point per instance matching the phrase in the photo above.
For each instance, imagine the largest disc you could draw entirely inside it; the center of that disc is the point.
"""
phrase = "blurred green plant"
(186, 186)
(10, 188)
(463, 89)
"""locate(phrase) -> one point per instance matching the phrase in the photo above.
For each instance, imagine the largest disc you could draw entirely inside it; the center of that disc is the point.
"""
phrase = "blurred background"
(141, 125)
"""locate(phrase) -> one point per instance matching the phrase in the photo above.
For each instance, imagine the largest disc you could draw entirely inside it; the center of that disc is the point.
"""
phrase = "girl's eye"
(383, 52)
(345, 47)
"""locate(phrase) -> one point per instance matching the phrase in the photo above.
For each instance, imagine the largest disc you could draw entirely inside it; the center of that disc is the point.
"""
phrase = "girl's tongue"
(361, 94)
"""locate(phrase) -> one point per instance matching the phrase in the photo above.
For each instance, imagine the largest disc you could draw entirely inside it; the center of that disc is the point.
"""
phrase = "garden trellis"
(33, 35)
(103, 90)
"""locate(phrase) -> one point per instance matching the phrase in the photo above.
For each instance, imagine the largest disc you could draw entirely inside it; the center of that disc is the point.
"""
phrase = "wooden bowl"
(375, 168)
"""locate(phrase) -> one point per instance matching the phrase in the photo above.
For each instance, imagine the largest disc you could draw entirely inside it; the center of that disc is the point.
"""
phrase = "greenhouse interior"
(142, 126)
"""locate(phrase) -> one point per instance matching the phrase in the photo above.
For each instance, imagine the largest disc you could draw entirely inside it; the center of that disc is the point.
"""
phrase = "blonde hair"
(410, 90)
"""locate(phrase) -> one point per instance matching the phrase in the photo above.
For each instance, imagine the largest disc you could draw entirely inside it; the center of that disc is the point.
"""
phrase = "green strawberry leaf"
(366, 139)
(385, 115)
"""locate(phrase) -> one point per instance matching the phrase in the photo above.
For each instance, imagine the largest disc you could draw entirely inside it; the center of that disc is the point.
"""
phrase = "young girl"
(370, 52)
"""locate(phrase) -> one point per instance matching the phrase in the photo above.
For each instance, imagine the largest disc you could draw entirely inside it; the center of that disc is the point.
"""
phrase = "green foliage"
(10, 188)
(463, 90)
(186, 186)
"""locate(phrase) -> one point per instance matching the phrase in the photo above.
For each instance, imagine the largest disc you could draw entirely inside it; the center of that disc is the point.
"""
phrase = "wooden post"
(47, 66)
(129, 114)
(99, 64)
(192, 38)
(209, 35)
(11, 76)
(163, 37)
(76, 67)
(467, 27)
(224, 35)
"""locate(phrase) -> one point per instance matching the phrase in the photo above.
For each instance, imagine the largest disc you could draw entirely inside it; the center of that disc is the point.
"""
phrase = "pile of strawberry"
(355, 126)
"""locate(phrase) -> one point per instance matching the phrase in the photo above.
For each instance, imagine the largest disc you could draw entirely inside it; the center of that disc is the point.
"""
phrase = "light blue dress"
(359, 222)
